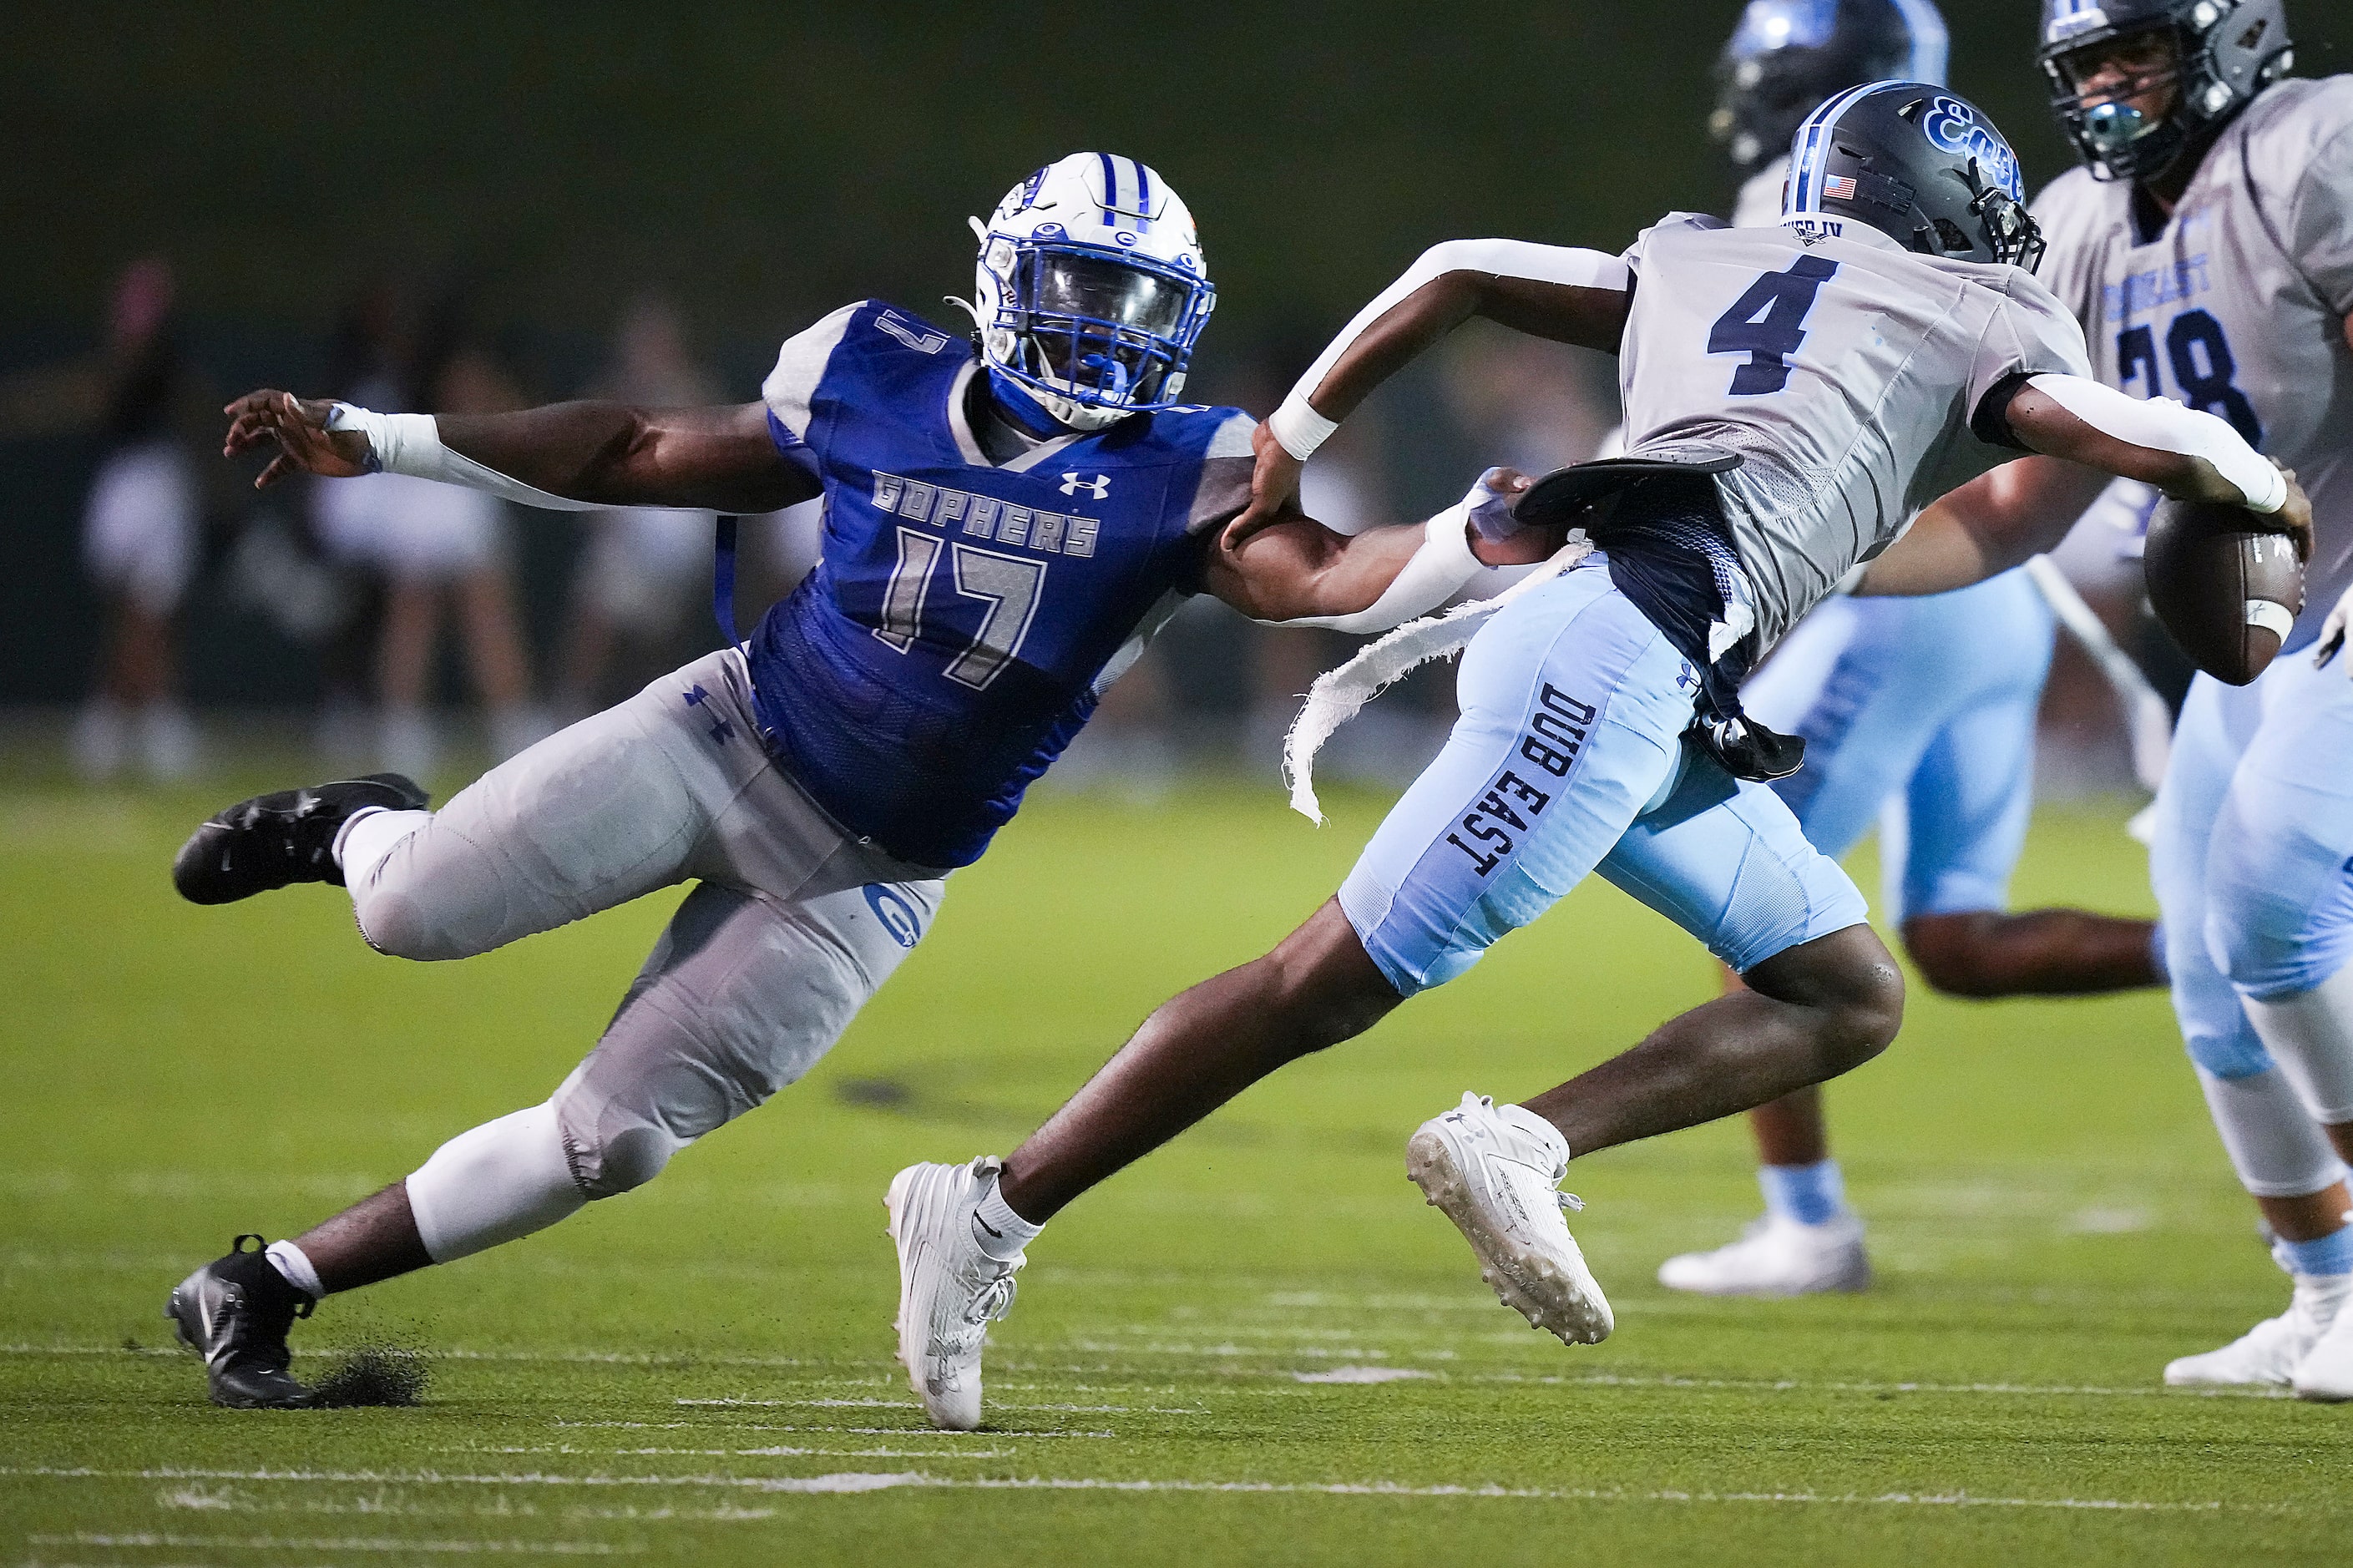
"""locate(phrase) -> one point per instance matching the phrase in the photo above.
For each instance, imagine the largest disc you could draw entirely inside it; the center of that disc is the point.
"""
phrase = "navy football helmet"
(1919, 164)
(1788, 56)
(2216, 54)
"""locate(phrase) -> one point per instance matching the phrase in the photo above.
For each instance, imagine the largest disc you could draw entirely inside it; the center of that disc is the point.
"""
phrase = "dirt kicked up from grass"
(1257, 1345)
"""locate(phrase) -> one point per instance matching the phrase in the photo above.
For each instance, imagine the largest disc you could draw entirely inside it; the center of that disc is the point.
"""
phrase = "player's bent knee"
(395, 924)
(1852, 981)
(2229, 1054)
(629, 1159)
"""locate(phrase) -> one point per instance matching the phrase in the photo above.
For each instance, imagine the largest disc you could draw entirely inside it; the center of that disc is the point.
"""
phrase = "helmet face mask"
(1091, 290)
(1918, 164)
(2135, 84)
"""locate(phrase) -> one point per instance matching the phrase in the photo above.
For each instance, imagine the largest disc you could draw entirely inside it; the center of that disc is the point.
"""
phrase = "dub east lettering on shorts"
(1551, 743)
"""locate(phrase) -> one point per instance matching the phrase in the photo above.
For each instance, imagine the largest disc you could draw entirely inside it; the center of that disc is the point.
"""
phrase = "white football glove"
(2332, 632)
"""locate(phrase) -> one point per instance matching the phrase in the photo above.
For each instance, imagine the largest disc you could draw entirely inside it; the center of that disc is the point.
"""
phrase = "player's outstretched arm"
(1568, 295)
(2087, 433)
(1293, 570)
(567, 454)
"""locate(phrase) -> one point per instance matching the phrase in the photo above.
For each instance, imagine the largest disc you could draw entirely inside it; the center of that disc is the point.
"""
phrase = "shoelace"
(1571, 1202)
(994, 1299)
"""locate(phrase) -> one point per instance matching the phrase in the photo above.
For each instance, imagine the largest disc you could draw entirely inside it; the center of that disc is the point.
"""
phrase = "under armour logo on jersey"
(898, 327)
(1095, 485)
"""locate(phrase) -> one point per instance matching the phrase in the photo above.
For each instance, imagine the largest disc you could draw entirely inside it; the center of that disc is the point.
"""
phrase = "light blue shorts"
(1919, 713)
(1567, 759)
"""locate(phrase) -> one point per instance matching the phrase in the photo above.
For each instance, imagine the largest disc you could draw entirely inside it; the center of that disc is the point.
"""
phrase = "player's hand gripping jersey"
(2236, 305)
(1848, 373)
(967, 613)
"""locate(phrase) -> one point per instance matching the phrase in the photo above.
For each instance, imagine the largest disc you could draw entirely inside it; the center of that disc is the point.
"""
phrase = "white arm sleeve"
(2164, 425)
(1431, 576)
(1297, 424)
(411, 444)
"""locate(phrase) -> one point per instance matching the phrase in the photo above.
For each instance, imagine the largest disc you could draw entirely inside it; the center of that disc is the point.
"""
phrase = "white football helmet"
(1089, 289)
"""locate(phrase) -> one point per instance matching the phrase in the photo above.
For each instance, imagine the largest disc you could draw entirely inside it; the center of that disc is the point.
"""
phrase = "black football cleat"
(276, 840)
(234, 1313)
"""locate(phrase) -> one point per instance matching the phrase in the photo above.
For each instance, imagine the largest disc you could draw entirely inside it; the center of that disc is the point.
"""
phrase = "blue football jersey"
(964, 613)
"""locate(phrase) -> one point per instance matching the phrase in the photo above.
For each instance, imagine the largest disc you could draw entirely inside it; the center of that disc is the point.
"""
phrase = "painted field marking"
(340, 1543)
(862, 1482)
(910, 1404)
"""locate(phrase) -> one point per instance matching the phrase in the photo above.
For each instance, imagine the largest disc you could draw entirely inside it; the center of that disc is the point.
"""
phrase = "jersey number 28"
(1007, 584)
(2194, 336)
(1768, 322)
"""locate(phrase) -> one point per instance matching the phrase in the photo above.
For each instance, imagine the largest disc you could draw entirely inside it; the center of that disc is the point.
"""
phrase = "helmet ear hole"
(1949, 234)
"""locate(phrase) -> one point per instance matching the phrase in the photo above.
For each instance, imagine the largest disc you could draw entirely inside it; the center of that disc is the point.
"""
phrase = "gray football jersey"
(2237, 304)
(1842, 368)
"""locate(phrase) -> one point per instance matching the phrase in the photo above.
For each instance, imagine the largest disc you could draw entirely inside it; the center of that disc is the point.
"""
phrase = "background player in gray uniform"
(1919, 714)
(1876, 351)
(2207, 250)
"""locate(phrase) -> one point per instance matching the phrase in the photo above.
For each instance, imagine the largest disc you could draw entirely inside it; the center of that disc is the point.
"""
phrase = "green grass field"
(1257, 1345)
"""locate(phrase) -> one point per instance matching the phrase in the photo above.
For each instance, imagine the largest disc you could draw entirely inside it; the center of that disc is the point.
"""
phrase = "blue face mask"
(2112, 127)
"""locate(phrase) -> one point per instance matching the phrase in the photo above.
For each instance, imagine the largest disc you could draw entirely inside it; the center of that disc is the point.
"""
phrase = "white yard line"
(340, 1543)
(861, 1481)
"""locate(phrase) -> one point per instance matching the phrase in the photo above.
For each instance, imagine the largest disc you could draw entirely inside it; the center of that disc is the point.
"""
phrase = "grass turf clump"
(377, 1376)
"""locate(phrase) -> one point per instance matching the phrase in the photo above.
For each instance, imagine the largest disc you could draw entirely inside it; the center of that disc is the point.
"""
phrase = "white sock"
(294, 1267)
(368, 836)
(998, 1231)
(500, 1181)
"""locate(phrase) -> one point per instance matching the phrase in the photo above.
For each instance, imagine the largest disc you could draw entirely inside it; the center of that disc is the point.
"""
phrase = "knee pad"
(395, 924)
(2229, 1054)
(652, 1086)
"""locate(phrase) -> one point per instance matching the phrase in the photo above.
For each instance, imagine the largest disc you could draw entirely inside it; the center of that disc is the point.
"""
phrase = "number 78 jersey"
(1846, 371)
(2236, 304)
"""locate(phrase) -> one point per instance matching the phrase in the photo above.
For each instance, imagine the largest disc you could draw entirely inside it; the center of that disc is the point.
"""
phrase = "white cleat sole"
(1557, 1295)
(914, 1192)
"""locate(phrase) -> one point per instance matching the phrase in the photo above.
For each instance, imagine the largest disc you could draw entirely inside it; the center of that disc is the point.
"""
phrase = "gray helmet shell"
(1920, 164)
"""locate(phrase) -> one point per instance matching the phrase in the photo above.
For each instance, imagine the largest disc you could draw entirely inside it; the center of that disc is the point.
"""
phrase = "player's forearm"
(576, 455)
(1552, 291)
(2189, 454)
(1938, 553)
(593, 452)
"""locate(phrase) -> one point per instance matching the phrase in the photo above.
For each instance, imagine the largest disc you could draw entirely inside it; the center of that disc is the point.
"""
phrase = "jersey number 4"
(2194, 336)
(1768, 322)
(1007, 584)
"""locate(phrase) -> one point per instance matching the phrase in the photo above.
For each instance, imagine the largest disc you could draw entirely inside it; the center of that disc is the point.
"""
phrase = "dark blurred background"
(513, 184)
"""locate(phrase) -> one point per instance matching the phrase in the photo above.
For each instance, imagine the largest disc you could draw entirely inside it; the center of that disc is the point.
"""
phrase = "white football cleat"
(949, 1289)
(2326, 1373)
(1496, 1175)
(1777, 1256)
(2271, 1352)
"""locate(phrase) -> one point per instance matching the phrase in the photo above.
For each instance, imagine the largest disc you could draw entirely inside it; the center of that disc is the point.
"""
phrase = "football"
(2226, 592)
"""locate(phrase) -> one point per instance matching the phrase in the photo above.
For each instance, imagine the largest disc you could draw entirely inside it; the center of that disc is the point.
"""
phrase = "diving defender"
(1009, 515)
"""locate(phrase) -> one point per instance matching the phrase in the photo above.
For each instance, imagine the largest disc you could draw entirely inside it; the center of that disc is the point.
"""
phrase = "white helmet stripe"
(1814, 149)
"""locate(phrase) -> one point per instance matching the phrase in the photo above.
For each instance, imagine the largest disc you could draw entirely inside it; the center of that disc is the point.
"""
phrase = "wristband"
(1298, 429)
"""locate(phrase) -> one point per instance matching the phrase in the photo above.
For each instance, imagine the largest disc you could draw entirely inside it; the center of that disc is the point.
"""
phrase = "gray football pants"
(793, 926)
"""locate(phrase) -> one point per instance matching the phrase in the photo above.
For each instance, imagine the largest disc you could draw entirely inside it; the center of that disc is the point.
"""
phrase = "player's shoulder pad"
(1187, 433)
(1672, 224)
(800, 365)
(2290, 121)
(879, 327)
